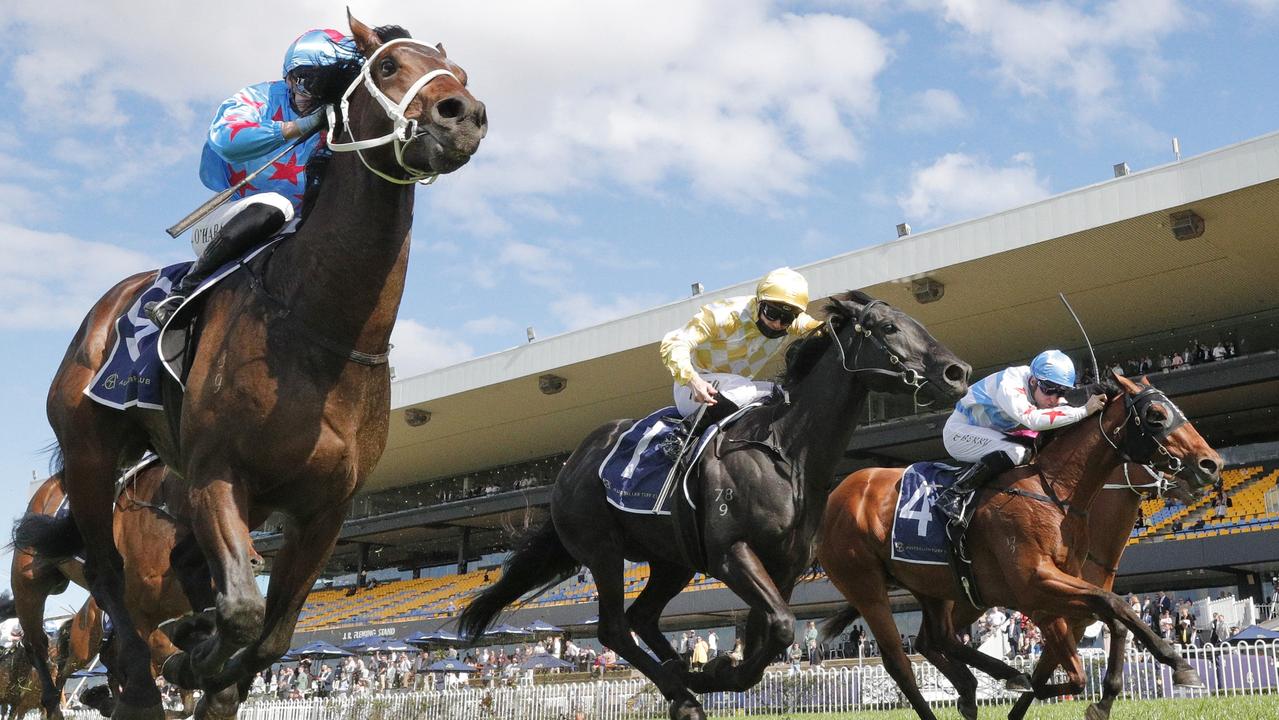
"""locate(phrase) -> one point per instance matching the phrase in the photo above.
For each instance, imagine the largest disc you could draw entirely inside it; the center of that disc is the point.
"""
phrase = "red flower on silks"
(238, 123)
(288, 170)
(237, 176)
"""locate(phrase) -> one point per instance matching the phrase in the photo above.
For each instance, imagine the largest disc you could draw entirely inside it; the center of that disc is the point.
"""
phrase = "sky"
(634, 147)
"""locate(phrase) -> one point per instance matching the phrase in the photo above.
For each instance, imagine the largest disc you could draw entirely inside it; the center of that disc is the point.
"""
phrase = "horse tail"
(57, 463)
(538, 563)
(53, 539)
(837, 623)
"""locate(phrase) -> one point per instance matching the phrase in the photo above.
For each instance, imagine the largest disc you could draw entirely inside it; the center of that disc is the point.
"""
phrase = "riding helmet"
(784, 287)
(1055, 367)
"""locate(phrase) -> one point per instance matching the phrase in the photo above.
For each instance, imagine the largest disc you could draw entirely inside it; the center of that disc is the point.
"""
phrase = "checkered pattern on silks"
(723, 338)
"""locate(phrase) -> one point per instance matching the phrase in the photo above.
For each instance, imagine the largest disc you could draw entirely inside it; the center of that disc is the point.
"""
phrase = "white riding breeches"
(736, 388)
(970, 443)
(203, 232)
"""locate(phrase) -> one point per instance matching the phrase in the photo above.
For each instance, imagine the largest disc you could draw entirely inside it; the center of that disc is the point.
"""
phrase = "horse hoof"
(687, 709)
(1096, 712)
(1188, 678)
(967, 709)
(124, 711)
(1021, 683)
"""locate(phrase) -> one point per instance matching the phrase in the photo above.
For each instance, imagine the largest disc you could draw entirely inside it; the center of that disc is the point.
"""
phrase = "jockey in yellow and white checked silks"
(724, 343)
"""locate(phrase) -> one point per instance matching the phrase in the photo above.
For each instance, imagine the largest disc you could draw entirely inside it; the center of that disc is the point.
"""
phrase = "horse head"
(893, 351)
(412, 97)
(1159, 435)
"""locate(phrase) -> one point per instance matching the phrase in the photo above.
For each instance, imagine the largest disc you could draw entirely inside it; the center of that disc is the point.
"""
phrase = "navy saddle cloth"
(919, 531)
(637, 468)
(132, 373)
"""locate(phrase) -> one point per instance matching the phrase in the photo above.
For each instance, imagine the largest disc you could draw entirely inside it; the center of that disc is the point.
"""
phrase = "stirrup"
(161, 311)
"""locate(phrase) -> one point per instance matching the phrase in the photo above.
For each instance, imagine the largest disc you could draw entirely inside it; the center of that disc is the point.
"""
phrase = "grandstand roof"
(1108, 246)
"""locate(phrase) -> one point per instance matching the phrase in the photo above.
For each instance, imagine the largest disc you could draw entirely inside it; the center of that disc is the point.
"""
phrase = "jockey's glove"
(308, 123)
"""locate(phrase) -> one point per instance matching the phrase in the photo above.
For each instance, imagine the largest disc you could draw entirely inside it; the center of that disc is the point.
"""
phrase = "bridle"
(862, 331)
(1149, 435)
(403, 130)
(1159, 484)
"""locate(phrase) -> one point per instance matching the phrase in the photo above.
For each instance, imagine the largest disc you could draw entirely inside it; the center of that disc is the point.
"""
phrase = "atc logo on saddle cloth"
(919, 532)
(131, 374)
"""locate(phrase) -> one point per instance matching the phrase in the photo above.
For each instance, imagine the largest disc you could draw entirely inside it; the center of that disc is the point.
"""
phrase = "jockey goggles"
(1052, 388)
(305, 81)
(777, 313)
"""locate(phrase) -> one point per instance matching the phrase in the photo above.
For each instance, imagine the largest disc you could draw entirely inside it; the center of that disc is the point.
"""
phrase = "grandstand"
(449, 493)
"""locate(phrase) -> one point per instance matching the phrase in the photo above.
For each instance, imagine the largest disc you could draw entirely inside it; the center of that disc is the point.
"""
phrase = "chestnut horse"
(288, 393)
(764, 484)
(1028, 541)
(149, 526)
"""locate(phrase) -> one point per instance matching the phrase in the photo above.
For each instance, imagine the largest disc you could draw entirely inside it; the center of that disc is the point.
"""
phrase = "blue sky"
(634, 147)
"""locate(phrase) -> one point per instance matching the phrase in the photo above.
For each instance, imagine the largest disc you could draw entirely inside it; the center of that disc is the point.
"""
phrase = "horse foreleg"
(219, 512)
(665, 581)
(1113, 682)
(741, 570)
(1070, 596)
(1060, 642)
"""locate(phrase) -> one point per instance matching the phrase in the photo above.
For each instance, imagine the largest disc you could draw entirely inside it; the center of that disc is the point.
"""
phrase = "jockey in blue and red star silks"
(250, 128)
(1016, 398)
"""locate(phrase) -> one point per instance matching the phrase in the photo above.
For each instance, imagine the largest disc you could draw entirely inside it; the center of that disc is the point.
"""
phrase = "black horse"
(764, 486)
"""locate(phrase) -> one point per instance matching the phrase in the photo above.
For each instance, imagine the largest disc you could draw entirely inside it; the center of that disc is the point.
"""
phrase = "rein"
(403, 131)
(862, 332)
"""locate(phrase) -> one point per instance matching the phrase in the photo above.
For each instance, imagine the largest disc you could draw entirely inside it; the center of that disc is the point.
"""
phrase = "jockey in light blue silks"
(1017, 398)
(248, 129)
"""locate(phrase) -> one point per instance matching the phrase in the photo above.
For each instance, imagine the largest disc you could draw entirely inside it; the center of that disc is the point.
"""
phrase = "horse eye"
(387, 67)
(890, 329)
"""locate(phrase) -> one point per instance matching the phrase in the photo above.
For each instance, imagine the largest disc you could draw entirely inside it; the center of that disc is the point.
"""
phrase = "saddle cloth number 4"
(920, 508)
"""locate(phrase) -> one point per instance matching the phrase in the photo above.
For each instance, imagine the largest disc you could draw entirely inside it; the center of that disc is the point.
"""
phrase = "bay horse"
(1110, 522)
(1028, 543)
(287, 397)
(150, 531)
(763, 485)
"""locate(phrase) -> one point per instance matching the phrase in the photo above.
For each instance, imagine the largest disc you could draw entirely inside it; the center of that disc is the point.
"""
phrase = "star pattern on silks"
(247, 99)
(238, 123)
(279, 114)
(1052, 415)
(238, 175)
(288, 170)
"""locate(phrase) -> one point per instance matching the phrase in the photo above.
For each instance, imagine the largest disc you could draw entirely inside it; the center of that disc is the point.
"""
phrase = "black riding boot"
(955, 501)
(254, 224)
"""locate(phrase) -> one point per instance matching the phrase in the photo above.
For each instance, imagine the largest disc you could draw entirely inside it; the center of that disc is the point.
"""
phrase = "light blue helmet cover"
(318, 48)
(1055, 367)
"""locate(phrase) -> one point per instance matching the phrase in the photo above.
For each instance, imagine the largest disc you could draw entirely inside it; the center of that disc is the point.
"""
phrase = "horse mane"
(803, 354)
(332, 83)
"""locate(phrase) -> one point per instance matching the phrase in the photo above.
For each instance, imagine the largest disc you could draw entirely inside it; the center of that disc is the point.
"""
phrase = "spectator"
(1165, 363)
(810, 644)
(700, 653)
(1177, 362)
(794, 655)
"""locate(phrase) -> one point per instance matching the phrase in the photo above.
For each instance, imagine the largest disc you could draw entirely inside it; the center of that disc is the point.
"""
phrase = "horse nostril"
(450, 108)
(956, 373)
(1209, 466)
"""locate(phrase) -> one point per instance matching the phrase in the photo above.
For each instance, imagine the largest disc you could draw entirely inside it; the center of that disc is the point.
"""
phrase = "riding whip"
(214, 202)
(1096, 369)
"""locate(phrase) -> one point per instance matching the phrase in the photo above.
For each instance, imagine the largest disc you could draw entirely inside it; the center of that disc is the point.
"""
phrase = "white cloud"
(52, 279)
(490, 325)
(931, 110)
(1090, 52)
(419, 348)
(579, 310)
(959, 186)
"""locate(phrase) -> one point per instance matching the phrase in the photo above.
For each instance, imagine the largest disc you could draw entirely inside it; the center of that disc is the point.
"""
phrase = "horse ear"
(366, 41)
(1125, 383)
(440, 47)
